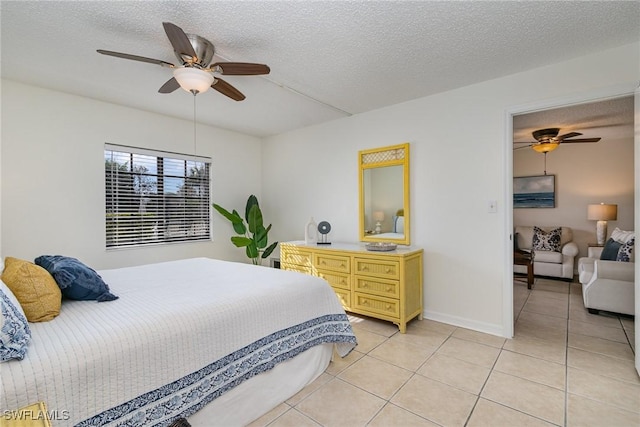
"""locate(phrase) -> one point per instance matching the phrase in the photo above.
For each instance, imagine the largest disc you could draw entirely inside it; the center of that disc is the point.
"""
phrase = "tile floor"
(564, 367)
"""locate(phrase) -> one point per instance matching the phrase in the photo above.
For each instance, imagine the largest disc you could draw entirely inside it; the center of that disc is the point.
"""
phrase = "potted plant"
(252, 235)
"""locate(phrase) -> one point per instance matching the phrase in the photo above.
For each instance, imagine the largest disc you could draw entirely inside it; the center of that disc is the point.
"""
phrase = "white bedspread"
(181, 334)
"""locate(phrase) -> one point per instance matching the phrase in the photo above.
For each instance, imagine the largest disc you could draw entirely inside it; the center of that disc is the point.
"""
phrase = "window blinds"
(155, 197)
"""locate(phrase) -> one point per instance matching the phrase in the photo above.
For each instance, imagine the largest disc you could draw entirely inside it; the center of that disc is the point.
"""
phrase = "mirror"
(384, 194)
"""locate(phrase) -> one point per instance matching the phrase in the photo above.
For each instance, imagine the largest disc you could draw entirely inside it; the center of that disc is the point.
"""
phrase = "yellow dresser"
(384, 285)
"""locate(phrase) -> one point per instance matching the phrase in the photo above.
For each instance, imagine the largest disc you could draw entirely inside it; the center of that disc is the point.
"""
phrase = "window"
(155, 197)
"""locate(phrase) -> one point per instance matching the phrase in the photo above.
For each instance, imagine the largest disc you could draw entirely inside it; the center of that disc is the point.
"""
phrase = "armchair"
(606, 285)
(548, 263)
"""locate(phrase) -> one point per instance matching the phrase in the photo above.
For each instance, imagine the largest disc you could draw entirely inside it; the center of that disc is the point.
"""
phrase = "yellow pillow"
(36, 290)
(30, 416)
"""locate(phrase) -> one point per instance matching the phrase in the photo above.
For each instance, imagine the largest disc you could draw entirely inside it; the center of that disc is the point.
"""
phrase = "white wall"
(585, 174)
(52, 175)
(53, 198)
(458, 163)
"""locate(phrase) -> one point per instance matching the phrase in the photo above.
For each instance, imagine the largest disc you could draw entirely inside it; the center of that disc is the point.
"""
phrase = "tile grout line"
(566, 361)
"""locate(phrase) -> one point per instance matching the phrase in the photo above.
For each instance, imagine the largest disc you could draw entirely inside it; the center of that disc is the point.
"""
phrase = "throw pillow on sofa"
(624, 253)
(610, 250)
(621, 235)
(546, 241)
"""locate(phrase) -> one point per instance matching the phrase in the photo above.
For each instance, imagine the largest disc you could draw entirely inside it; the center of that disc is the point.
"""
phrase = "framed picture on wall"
(534, 191)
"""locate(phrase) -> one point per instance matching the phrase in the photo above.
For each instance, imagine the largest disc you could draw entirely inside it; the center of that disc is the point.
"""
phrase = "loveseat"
(554, 251)
(608, 284)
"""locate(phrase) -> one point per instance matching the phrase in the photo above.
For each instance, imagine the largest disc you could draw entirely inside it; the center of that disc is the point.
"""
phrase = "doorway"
(585, 173)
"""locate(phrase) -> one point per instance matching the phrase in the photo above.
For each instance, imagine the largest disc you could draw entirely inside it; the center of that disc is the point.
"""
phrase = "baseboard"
(463, 322)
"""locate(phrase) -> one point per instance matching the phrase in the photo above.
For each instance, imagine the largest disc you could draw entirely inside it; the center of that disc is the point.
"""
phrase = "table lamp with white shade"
(602, 213)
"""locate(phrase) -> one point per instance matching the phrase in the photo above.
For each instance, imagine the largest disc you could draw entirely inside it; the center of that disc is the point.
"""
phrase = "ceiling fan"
(548, 140)
(196, 73)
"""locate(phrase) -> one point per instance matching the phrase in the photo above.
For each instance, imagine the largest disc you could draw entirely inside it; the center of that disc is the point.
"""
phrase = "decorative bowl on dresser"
(385, 285)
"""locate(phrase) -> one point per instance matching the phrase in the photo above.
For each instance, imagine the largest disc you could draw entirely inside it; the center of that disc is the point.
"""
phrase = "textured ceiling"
(609, 119)
(328, 59)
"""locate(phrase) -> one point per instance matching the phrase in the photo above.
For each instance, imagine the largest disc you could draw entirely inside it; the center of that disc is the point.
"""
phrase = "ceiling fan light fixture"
(193, 80)
(545, 147)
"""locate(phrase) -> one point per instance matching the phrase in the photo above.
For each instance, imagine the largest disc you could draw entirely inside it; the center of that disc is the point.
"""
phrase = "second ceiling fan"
(548, 140)
(196, 73)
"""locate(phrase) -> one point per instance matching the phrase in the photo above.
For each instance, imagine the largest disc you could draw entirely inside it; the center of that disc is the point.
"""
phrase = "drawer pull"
(365, 285)
(343, 282)
(365, 268)
(388, 270)
(365, 302)
(389, 288)
(388, 306)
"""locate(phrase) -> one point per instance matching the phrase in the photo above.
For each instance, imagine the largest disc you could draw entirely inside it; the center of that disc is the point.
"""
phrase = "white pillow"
(621, 236)
(400, 225)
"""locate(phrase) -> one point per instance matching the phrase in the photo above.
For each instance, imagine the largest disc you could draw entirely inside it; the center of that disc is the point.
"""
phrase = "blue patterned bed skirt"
(190, 393)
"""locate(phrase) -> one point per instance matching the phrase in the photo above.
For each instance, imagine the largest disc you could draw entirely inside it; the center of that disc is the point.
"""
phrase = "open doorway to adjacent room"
(583, 173)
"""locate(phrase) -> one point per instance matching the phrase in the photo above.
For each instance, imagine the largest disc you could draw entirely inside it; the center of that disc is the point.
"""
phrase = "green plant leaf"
(235, 218)
(241, 241)
(255, 219)
(261, 237)
(238, 224)
(225, 213)
(251, 201)
(270, 249)
(252, 251)
(252, 235)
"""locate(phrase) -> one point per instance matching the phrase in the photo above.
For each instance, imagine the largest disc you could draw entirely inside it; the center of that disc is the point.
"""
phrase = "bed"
(217, 342)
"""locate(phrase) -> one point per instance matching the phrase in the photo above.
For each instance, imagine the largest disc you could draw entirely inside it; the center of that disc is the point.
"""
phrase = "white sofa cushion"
(548, 256)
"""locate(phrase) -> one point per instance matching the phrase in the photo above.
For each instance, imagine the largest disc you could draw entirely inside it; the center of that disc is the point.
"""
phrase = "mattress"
(182, 334)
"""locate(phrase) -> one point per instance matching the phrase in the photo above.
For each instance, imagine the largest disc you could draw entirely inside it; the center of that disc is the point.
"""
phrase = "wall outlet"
(493, 206)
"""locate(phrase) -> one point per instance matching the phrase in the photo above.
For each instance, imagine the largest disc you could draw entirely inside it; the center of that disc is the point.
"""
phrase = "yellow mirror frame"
(376, 159)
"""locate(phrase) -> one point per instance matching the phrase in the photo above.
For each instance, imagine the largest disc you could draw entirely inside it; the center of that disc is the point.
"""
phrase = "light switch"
(493, 206)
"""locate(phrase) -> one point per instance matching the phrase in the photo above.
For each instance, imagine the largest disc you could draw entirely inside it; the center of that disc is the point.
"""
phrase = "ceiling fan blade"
(240, 68)
(522, 142)
(525, 146)
(569, 135)
(228, 90)
(582, 140)
(179, 40)
(170, 85)
(136, 58)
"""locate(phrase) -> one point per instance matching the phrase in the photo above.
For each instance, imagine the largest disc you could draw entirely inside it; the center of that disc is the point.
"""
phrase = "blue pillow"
(610, 250)
(76, 280)
(15, 334)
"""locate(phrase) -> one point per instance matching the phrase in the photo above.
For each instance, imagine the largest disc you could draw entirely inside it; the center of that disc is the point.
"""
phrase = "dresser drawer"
(344, 297)
(382, 287)
(336, 280)
(295, 256)
(375, 304)
(295, 267)
(378, 268)
(332, 262)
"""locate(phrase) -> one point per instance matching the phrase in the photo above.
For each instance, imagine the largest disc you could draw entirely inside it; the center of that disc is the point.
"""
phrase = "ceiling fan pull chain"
(545, 162)
(195, 146)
